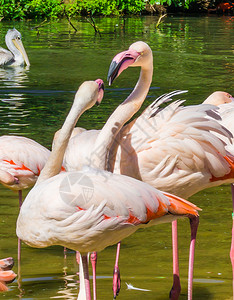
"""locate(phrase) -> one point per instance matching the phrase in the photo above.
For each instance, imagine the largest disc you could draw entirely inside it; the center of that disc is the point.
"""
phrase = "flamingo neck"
(120, 116)
(54, 163)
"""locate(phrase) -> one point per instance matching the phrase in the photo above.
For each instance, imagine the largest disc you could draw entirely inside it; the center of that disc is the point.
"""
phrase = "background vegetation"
(32, 9)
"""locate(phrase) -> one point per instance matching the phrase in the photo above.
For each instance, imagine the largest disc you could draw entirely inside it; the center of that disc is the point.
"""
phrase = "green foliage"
(44, 8)
(12, 9)
(20, 9)
(176, 3)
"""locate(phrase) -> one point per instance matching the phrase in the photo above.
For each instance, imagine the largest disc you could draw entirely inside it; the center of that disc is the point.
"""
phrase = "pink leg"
(116, 274)
(78, 257)
(19, 241)
(86, 276)
(194, 222)
(176, 288)
(93, 259)
(232, 243)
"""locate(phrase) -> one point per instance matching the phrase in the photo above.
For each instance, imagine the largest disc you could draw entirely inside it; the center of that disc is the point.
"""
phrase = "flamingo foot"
(116, 282)
(176, 288)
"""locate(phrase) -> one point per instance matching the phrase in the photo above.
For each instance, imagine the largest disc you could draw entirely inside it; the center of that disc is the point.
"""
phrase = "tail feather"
(180, 206)
(230, 159)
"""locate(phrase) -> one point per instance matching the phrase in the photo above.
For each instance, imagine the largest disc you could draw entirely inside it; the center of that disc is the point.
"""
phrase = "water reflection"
(16, 77)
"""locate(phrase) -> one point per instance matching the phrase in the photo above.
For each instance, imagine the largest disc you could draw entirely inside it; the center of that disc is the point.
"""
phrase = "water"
(193, 53)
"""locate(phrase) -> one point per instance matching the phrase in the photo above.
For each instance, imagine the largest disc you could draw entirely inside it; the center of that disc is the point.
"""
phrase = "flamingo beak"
(100, 90)
(19, 45)
(121, 62)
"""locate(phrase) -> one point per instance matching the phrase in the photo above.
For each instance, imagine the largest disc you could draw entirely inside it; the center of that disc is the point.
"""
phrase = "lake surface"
(192, 53)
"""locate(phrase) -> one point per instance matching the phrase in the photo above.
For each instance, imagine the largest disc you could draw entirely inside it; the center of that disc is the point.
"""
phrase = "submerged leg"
(116, 274)
(93, 259)
(176, 288)
(194, 222)
(232, 243)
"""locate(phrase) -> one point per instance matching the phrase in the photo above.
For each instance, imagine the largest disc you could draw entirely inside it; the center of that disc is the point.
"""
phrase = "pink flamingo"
(170, 132)
(225, 102)
(21, 161)
(6, 274)
(95, 219)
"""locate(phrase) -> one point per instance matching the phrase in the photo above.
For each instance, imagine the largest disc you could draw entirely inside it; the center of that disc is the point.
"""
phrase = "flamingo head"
(89, 94)
(100, 90)
(218, 98)
(135, 56)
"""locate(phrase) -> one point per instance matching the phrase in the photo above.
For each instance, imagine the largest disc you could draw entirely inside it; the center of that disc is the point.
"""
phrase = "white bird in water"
(16, 55)
(91, 209)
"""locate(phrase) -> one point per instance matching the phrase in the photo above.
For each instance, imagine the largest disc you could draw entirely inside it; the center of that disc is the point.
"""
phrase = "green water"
(193, 53)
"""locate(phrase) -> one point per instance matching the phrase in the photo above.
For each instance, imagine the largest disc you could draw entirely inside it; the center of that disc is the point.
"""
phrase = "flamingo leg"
(194, 222)
(86, 276)
(84, 292)
(65, 253)
(19, 241)
(176, 288)
(116, 274)
(232, 243)
(78, 257)
(93, 259)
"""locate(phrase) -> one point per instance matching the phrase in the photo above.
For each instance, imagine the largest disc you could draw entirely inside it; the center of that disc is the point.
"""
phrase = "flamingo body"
(177, 144)
(21, 160)
(82, 213)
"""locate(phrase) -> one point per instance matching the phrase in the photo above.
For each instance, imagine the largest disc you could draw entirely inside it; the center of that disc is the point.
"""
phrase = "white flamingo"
(60, 211)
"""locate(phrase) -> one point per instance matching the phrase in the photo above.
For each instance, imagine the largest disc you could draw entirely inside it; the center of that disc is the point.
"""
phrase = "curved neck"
(120, 116)
(54, 163)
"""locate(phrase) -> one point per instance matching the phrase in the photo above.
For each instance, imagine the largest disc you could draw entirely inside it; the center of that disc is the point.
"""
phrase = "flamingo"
(225, 103)
(135, 145)
(21, 161)
(6, 274)
(141, 156)
(17, 54)
(91, 209)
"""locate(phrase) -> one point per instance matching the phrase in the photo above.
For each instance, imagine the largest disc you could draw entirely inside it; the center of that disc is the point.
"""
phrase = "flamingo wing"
(176, 144)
